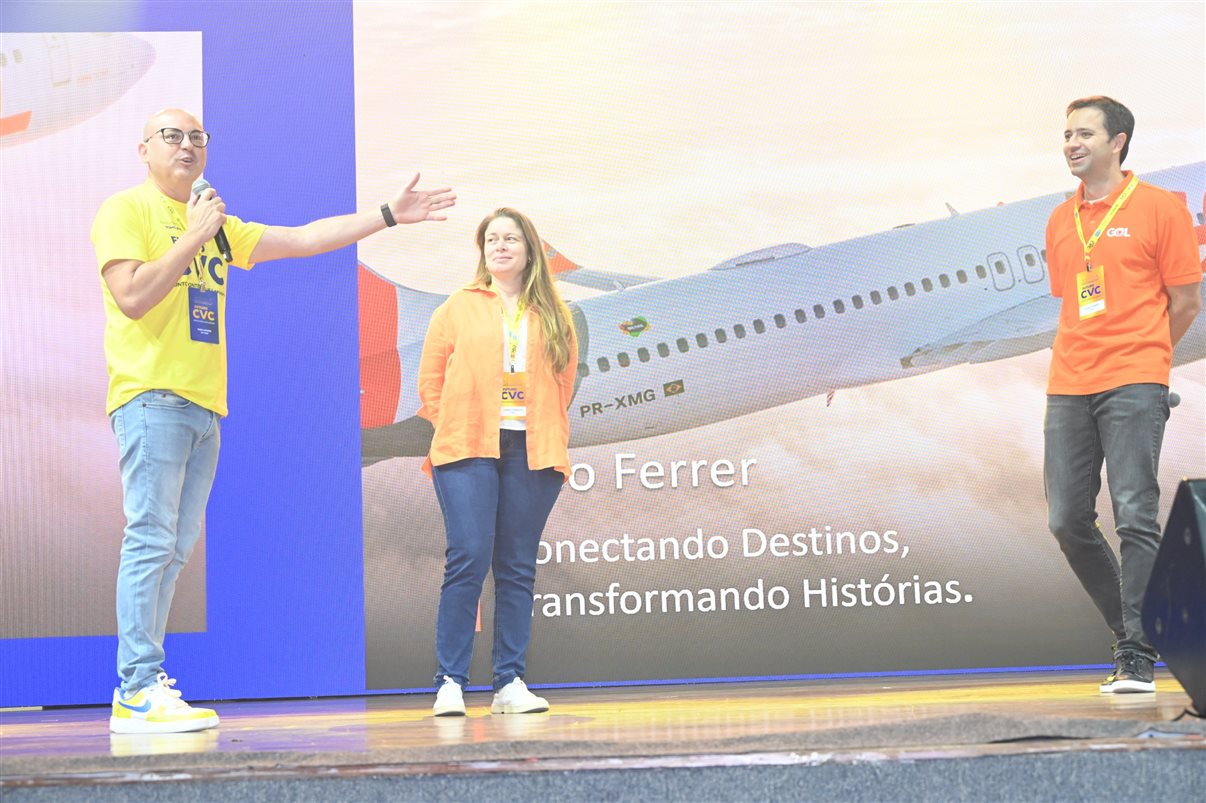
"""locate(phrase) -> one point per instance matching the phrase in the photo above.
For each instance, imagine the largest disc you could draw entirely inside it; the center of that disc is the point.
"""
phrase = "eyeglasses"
(174, 136)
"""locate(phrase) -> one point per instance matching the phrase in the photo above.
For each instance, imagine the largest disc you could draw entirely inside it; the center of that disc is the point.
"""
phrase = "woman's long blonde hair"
(539, 293)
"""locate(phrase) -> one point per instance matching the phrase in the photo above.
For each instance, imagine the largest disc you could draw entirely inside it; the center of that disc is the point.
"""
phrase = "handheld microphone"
(200, 186)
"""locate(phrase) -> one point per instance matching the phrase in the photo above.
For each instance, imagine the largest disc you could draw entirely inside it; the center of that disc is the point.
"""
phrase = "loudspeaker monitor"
(1174, 607)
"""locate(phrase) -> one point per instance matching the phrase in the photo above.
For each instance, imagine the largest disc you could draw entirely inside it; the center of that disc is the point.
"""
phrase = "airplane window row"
(999, 264)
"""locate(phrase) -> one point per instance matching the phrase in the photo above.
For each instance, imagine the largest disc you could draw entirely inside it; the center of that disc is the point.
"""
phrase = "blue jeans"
(494, 514)
(1123, 427)
(169, 454)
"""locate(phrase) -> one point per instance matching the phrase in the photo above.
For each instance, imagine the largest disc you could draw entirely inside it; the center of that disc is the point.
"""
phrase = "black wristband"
(388, 215)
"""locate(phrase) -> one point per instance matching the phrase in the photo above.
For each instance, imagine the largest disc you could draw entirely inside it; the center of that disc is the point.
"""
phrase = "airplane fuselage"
(52, 81)
(770, 332)
(793, 322)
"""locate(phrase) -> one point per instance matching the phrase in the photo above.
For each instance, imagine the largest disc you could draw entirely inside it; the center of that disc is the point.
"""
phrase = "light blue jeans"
(168, 450)
(1124, 428)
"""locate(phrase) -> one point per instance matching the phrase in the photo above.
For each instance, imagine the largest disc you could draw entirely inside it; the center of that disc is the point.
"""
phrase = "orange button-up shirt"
(461, 380)
(1149, 245)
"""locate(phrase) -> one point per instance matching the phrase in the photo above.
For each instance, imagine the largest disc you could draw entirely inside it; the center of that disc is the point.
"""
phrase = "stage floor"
(704, 725)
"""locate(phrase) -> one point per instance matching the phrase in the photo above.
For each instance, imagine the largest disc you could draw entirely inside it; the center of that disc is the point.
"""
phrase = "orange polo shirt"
(461, 380)
(1149, 245)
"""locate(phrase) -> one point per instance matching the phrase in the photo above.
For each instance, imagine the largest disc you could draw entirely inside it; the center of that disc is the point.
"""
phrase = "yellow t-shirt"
(157, 352)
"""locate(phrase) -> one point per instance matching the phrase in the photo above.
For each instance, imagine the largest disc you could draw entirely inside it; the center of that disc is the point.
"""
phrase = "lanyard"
(512, 329)
(171, 210)
(1105, 221)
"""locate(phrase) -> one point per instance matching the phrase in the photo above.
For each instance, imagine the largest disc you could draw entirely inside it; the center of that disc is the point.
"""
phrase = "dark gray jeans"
(1123, 427)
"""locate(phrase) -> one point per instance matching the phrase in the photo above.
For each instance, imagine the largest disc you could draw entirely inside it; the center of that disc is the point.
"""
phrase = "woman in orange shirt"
(496, 379)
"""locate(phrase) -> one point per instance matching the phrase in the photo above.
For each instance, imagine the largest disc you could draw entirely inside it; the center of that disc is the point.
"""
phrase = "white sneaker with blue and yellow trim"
(158, 709)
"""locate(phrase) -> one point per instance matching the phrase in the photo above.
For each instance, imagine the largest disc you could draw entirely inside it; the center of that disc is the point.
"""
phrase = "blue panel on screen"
(284, 553)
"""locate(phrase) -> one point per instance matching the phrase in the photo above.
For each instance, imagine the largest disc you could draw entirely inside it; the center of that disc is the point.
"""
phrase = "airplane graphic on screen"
(769, 327)
(52, 81)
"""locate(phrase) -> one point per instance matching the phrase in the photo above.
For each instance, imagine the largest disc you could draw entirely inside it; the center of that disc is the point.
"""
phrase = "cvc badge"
(514, 396)
(203, 315)
(1090, 290)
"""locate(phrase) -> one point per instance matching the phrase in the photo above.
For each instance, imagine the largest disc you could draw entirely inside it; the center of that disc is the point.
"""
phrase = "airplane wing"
(566, 270)
(604, 280)
(1028, 327)
(762, 255)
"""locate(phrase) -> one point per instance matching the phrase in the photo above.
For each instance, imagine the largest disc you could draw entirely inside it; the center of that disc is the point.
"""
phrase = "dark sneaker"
(1132, 673)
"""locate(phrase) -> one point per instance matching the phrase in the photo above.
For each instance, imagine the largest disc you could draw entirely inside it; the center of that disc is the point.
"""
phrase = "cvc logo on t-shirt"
(210, 264)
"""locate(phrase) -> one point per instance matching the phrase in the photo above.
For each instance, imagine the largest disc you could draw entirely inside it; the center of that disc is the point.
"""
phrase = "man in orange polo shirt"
(1123, 257)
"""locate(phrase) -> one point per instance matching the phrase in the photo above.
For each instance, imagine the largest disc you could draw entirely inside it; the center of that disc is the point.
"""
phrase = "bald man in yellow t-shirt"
(165, 281)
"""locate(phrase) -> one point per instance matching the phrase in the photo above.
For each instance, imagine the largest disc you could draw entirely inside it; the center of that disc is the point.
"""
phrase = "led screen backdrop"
(801, 309)
(278, 592)
(87, 93)
(808, 434)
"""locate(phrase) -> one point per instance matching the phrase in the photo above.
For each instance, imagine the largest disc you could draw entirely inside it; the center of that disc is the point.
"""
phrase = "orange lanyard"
(1105, 221)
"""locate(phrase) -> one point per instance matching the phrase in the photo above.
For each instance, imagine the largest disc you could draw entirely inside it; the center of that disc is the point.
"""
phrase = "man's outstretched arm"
(329, 233)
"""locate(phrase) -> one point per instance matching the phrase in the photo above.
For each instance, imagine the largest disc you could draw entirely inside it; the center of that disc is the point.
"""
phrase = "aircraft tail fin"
(391, 316)
(380, 368)
(559, 263)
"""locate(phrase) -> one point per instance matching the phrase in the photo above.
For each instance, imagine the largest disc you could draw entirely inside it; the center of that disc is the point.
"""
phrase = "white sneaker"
(158, 709)
(450, 702)
(514, 698)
